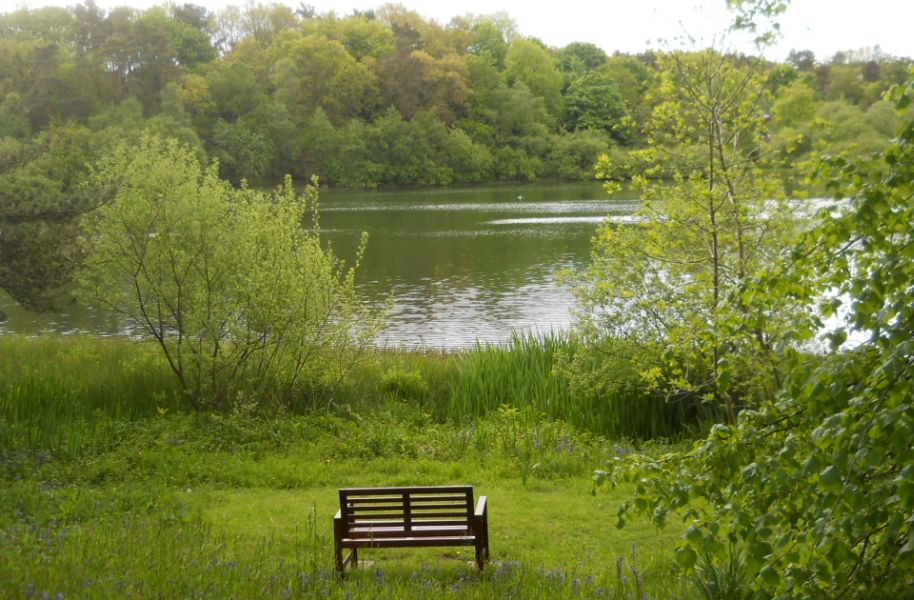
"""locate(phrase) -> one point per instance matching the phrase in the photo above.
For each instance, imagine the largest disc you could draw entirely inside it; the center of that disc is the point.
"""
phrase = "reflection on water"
(545, 220)
(460, 265)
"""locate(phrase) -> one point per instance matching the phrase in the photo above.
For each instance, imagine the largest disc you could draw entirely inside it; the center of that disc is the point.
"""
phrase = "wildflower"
(378, 575)
(575, 583)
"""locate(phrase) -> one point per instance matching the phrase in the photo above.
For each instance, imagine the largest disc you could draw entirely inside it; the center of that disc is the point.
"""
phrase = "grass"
(522, 374)
(110, 488)
(62, 393)
(225, 506)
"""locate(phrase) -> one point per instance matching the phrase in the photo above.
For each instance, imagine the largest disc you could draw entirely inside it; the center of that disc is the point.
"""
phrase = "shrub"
(239, 295)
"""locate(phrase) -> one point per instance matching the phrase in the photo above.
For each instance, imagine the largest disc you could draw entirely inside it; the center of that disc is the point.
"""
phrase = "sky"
(823, 26)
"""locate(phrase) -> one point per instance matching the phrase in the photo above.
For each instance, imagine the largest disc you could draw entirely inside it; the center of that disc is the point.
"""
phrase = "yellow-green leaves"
(816, 486)
(240, 297)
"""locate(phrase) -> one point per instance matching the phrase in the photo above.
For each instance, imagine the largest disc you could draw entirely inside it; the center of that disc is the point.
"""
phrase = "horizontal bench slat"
(401, 532)
(375, 500)
(395, 500)
(402, 523)
(399, 515)
(413, 506)
(430, 489)
(407, 542)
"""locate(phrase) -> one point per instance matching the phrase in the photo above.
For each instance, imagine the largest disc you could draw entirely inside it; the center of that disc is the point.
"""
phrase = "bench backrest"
(407, 507)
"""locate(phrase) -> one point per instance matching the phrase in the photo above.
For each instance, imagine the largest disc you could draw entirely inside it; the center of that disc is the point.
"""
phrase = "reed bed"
(57, 392)
(523, 374)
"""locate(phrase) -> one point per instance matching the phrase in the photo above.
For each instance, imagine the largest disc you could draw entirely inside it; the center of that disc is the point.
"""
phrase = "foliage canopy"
(816, 487)
(661, 280)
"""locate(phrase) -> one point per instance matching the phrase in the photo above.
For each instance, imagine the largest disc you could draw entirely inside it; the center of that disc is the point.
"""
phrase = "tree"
(803, 60)
(574, 153)
(593, 102)
(263, 22)
(14, 117)
(362, 37)
(490, 35)
(815, 489)
(579, 58)
(243, 152)
(314, 71)
(794, 106)
(662, 284)
(242, 300)
(322, 149)
(529, 63)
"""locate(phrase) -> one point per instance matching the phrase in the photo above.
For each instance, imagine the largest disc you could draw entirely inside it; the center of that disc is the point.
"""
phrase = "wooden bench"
(409, 517)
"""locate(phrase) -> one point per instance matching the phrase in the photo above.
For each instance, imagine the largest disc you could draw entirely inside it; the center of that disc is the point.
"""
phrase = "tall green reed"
(56, 392)
(522, 374)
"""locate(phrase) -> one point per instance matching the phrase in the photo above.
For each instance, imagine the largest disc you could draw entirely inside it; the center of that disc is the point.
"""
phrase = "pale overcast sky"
(823, 26)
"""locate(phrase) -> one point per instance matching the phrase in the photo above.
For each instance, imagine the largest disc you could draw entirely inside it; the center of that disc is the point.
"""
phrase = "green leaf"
(686, 557)
(749, 471)
(758, 551)
(693, 536)
(906, 553)
(831, 478)
(769, 576)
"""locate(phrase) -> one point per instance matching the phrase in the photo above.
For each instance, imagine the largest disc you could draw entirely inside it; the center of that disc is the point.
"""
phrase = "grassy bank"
(61, 393)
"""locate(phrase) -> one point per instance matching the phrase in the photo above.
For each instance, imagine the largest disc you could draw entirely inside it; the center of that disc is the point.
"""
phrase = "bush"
(241, 298)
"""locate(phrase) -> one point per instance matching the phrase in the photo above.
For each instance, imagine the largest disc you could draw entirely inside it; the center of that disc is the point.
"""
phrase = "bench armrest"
(338, 516)
(481, 507)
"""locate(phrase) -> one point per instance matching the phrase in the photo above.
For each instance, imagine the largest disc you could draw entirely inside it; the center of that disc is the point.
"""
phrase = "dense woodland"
(383, 97)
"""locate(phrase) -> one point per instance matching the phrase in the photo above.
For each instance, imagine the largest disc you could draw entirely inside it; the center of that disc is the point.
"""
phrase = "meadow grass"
(112, 488)
(228, 506)
(60, 393)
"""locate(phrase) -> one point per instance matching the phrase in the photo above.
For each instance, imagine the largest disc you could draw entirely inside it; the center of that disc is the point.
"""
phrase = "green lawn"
(186, 506)
(108, 488)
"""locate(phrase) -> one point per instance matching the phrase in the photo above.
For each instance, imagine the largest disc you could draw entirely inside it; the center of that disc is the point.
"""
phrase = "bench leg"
(338, 556)
(354, 558)
(485, 539)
